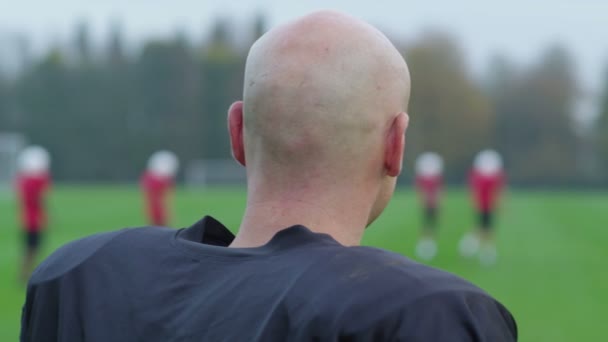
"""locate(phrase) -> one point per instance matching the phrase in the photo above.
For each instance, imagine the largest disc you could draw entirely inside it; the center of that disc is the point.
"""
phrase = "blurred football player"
(486, 181)
(32, 183)
(157, 184)
(429, 180)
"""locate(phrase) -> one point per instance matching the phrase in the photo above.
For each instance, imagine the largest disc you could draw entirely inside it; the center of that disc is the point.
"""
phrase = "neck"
(327, 212)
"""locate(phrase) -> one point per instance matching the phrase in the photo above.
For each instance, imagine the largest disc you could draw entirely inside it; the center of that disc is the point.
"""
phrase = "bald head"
(320, 97)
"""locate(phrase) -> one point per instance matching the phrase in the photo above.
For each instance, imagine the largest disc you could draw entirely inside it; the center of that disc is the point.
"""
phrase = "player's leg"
(487, 253)
(159, 211)
(470, 242)
(32, 245)
(426, 249)
(159, 216)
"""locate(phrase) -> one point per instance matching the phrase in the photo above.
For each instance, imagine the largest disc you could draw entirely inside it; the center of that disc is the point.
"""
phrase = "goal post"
(210, 172)
(10, 146)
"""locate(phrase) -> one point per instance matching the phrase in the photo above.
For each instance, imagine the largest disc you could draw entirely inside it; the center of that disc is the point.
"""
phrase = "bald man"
(321, 133)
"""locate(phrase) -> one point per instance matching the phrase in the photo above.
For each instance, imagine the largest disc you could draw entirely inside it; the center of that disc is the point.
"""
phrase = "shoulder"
(76, 253)
(454, 315)
(361, 276)
(385, 291)
(391, 271)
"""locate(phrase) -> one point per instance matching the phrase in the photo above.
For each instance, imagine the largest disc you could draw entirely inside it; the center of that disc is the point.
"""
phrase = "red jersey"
(155, 189)
(486, 189)
(429, 188)
(31, 190)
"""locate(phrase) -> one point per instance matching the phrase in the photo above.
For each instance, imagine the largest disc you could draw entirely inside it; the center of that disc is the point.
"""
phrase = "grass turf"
(552, 247)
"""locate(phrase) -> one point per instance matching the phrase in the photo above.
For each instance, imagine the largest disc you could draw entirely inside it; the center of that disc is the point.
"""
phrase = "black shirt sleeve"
(57, 292)
(457, 317)
(48, 317)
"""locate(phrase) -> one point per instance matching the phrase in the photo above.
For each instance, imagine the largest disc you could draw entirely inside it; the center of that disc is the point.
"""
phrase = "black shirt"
(156, 284)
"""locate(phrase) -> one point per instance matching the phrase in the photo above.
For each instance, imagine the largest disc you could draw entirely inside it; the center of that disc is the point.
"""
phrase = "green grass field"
(551, 272)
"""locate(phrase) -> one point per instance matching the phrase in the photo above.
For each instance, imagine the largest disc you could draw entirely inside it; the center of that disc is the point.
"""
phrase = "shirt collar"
(208, 235)
(208, 231)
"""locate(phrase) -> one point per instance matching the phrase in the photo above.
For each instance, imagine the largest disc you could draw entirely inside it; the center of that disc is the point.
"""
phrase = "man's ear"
(395, 145)
(235, 129)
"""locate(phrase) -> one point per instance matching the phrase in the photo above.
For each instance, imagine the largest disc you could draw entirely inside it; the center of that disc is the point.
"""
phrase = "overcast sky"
(519, 28)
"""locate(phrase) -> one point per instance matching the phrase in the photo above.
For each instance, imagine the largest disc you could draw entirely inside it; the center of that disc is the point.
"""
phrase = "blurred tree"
(44, 97)
(221, 76)
(4, 103)
(260, 26)
(115, 48)
(167, 112)
(82, 42)
(116, 91)
(449, 113)
(602, 127)
(101, 100)
(101, 117)
(535, 128)
(24, 51)
(503, 86)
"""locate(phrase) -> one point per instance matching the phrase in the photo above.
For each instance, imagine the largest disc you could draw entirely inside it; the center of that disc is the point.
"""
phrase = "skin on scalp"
(322, 95)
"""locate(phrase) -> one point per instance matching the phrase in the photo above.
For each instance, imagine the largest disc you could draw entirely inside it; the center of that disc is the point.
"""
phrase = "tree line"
(102, 112)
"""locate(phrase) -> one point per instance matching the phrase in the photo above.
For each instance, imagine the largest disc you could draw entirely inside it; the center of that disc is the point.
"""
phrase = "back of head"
(320, 96)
